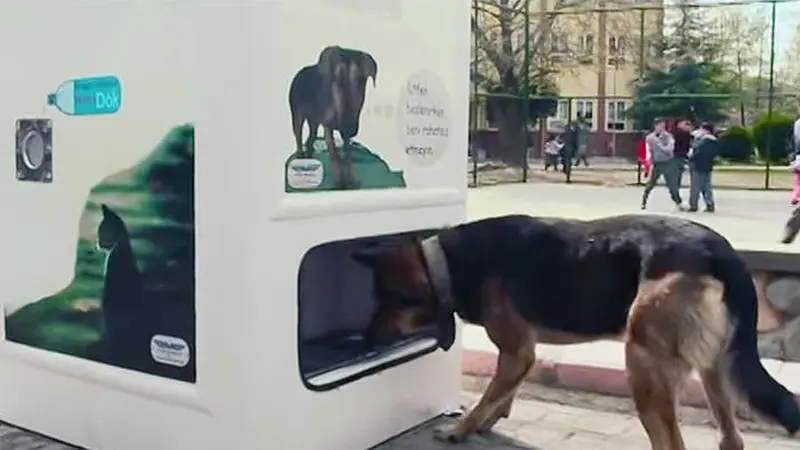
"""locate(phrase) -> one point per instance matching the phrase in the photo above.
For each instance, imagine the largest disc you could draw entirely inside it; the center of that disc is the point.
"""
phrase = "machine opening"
(335, 303)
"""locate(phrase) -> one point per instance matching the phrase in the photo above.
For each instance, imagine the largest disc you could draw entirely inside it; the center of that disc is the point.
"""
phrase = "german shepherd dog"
(674, 290)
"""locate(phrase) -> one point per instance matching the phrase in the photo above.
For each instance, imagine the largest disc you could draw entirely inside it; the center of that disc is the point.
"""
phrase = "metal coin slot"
(34, 150)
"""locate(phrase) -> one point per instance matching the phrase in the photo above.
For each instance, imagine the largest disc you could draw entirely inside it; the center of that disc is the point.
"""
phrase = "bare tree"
(507, 74)
(743, 54)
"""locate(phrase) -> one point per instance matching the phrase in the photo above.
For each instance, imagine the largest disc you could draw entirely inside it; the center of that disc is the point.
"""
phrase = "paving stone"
(554, 426)
(791, 340)
(784, 294)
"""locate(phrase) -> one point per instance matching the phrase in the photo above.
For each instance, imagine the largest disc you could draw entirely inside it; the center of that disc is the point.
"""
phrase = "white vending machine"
(188, 182)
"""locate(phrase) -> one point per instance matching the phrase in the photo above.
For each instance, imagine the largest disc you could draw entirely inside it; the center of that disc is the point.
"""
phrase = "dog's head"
(347, 71)
(407, 300)
(792, 227)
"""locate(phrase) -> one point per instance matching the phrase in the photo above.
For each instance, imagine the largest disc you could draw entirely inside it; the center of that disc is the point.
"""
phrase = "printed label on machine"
(169, 350)
(306, 173)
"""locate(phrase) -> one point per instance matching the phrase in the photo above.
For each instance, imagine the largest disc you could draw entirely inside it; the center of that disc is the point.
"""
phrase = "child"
(552, 151)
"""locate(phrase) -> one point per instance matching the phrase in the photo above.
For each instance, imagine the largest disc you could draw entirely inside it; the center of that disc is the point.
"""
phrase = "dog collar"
(438, 271)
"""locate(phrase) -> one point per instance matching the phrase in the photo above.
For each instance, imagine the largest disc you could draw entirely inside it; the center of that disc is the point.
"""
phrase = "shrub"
(736, 145)
(774, 136)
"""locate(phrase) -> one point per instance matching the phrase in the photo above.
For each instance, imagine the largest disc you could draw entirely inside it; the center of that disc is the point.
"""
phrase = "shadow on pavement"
(421, 438)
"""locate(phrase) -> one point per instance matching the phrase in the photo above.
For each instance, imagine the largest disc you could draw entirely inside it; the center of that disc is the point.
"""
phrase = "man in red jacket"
(641, 153)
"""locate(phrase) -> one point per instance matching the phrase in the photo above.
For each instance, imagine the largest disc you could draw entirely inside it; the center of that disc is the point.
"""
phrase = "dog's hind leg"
(655, 397)
(348, 173)
(718, 394)
(334, 156)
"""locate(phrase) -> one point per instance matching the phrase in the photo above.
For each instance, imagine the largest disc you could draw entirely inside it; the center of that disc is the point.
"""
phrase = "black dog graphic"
(331, 93)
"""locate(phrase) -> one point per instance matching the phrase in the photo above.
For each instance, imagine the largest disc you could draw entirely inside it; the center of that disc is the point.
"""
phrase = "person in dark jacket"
(683, 143)
(701, 163)
(571, 138)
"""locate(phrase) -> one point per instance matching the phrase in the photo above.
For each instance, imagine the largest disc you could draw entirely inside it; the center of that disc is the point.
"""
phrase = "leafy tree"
(773, 137)
(736, 145)
(674, 85)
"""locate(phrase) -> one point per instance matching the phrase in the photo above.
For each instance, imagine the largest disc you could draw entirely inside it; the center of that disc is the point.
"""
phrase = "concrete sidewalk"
(558, 420)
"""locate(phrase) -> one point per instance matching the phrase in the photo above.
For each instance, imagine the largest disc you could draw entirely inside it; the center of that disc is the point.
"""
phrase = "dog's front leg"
(334, 156)
(511, 371)
(503, 412)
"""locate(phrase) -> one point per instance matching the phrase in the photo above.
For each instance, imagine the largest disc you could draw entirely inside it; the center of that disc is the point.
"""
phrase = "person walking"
(661, 148)
(642, 156)
(582, 136)
(683, 143)
(570, 148)
(794, 161)
(701, 163)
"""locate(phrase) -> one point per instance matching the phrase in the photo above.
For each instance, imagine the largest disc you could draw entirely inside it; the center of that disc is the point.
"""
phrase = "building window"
(562, 110)
(616, 50)
(558, 43)
(617, 120)
(586, 109)
(586, 49)
(587, 44)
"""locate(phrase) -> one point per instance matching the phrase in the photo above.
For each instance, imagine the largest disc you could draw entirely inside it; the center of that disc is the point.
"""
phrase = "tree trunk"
(740, 73)
(513, 142)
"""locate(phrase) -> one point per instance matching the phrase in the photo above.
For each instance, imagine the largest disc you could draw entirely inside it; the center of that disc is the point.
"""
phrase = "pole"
(641, 77)
(771, 91)
(527, 111)
(475, 95)
(566, 164)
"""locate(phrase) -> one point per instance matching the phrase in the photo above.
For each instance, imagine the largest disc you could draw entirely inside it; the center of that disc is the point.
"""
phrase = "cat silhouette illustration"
(125, 335)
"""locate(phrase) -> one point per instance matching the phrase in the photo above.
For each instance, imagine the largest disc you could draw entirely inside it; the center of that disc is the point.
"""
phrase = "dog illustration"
(675, 291)
(331, 93)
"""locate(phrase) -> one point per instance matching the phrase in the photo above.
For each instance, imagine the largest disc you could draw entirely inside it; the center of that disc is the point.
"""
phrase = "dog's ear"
(329, 60)
(445, 327)
(368, 67)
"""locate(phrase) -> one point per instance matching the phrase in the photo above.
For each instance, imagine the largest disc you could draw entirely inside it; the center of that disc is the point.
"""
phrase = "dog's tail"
(765, 395)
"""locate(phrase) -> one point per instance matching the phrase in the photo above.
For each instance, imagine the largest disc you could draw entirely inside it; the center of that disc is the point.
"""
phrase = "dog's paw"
(486, 428)
(450, 434)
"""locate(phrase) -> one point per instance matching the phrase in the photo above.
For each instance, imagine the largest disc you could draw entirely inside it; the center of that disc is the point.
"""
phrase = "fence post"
(527, 103)
(567, 162)
(475, 95)
(641, 76)
(771, 92)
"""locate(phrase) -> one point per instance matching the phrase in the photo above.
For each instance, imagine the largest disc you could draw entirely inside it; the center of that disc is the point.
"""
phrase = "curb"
(601, 380)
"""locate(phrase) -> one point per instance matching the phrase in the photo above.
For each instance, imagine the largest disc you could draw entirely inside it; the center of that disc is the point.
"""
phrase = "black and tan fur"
(674, 290)
(331, 93)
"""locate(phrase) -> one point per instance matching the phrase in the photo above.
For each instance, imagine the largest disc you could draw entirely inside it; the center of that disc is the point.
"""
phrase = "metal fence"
(538, 64)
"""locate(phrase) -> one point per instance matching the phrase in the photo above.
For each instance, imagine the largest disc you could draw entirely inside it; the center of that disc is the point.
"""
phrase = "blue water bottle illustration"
(88, 96)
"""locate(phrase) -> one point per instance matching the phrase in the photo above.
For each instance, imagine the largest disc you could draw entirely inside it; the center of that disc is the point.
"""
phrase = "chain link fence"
(593, 75)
